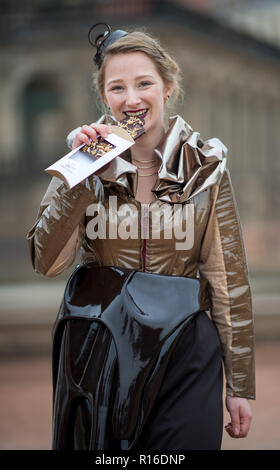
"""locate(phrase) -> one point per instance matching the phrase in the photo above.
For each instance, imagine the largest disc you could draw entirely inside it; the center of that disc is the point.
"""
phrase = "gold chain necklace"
(149, 174)
(146, 166)
(145, 161)
(153, 162)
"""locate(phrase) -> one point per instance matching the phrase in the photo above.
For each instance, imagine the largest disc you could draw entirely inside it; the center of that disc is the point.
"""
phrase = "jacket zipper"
(144, 228)
(144, 255)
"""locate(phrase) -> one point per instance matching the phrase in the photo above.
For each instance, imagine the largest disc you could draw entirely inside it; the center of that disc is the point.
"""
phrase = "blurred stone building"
(232, 91)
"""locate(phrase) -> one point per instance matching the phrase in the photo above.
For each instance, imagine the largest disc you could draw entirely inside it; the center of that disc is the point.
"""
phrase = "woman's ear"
(106, 105)
(103, 97)
(168, 91)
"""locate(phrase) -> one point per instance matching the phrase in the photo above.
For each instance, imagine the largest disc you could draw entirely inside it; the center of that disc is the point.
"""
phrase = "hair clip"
(103, 40)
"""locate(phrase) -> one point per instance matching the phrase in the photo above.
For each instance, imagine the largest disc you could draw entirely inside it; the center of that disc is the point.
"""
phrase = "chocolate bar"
(99, 148)
(133, 125)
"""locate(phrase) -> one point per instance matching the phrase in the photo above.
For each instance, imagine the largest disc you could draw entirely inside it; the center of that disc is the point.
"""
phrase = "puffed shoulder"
(189, 164)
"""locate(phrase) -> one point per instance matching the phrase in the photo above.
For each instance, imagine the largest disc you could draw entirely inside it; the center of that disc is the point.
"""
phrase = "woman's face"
(133, 86)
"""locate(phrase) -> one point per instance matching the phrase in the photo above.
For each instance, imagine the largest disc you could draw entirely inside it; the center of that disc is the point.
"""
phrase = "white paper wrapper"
(77, 165)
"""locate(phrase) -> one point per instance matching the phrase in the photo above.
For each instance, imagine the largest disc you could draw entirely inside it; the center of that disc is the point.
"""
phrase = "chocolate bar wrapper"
(85, 160)
(78, 164)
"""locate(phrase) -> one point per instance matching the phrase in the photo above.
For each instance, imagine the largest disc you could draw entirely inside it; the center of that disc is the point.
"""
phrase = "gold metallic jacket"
(193, 178)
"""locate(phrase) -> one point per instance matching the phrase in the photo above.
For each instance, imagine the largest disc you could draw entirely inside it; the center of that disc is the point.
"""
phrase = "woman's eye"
(116, 88)
(145, 83)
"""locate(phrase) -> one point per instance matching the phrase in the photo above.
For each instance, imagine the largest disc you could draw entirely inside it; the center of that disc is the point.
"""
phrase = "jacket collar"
(189, 164)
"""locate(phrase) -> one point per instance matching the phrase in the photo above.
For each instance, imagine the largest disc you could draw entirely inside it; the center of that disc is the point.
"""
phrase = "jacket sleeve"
(58, 232)
(223, 263)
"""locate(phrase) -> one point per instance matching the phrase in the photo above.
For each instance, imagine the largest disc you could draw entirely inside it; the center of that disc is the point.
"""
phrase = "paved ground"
(25, 410)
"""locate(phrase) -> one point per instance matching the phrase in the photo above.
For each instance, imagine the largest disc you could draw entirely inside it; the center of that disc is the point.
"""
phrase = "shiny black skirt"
(136, 363)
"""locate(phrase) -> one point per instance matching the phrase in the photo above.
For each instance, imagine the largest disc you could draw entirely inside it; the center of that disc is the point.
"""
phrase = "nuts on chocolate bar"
(133, 125)
(97, 149)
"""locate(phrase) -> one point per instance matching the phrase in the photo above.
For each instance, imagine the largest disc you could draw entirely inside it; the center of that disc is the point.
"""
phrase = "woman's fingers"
(245, 422)
(235, 420)
(101, 129)
(94, 130)
(229, 430)
(244, 429)
(90, 133)
(81, 138)
(239, 427)
(241, 417)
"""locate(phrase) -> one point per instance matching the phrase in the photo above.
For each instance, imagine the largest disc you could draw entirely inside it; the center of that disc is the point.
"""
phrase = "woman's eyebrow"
(136, 78)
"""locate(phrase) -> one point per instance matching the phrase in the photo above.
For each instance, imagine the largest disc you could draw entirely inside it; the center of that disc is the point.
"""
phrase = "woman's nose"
(132, 98)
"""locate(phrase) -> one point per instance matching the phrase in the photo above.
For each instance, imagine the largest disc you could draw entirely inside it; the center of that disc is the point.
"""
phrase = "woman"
(164, 171)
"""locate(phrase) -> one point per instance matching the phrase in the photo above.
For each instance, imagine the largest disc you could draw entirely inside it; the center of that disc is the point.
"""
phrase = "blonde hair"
(139, 41)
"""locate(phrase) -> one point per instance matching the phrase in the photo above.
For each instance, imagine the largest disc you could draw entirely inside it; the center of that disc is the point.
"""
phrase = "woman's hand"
(241, 416)
(89, 133)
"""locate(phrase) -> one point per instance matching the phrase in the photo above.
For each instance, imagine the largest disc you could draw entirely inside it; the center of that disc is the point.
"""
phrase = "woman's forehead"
(136, 64)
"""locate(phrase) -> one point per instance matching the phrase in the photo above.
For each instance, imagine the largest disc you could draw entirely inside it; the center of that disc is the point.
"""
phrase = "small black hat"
(103, 40)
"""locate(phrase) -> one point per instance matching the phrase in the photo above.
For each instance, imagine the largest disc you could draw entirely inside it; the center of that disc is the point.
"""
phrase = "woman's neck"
(145, 146)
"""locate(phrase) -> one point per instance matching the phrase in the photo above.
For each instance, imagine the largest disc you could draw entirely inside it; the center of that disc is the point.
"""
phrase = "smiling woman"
(149, 317)
(137, 77)
(132, 94)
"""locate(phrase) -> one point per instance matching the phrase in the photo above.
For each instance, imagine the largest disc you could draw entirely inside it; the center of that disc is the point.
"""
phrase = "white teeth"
(137, 113)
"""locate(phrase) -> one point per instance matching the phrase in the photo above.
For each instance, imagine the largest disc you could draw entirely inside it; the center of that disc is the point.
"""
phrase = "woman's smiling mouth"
(139, 113)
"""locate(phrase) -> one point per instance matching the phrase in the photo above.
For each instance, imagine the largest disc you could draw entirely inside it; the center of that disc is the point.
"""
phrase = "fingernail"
(236, 430)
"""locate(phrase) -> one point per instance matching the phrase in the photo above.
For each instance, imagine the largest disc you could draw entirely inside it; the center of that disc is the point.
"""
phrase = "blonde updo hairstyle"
(139, 41)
